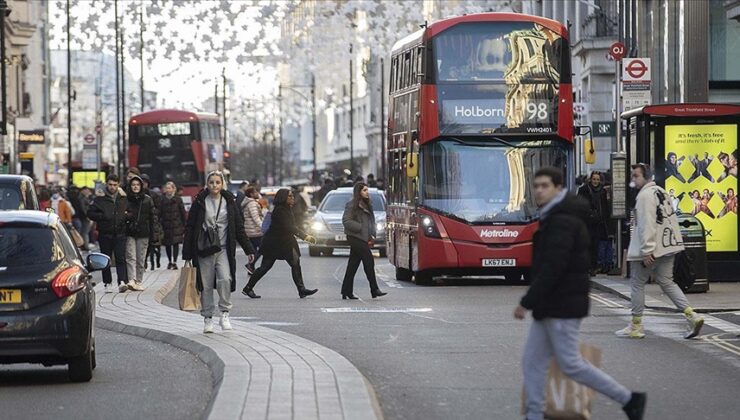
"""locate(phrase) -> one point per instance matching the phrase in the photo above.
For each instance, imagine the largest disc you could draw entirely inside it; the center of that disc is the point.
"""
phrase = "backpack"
(684, 274)
(266, 222)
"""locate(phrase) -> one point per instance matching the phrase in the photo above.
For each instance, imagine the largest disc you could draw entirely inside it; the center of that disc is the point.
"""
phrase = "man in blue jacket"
(558, 299)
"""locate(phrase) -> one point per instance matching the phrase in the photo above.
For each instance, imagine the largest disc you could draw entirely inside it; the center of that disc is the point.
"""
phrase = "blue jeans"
(605, 253)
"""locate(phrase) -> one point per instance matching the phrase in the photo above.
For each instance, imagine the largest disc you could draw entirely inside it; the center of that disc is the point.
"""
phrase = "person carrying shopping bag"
(140, 217)
(280, 244)
(214, 227)
(359, 225)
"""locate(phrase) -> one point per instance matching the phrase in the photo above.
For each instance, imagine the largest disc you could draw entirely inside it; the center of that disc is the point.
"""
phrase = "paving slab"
(258, 372)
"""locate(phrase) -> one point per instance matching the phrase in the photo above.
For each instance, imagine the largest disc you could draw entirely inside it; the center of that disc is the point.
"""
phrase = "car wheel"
(328, 252)
(403, 274)
(422, 278)
(383, 253)
(314, 251)
(81, 367)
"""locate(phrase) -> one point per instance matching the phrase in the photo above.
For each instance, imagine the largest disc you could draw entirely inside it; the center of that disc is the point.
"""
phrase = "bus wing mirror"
(589, 148)
(412, 165)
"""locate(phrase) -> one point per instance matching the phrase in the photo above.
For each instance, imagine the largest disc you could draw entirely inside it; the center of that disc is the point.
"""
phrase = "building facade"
(27, 77)
(691, 45)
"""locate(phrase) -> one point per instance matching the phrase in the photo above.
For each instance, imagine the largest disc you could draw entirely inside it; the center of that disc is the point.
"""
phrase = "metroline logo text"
(477, 111)
(505, 233)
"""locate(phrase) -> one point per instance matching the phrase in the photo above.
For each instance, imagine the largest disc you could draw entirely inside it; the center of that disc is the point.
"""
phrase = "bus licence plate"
(499, 262)
(340, 237)
(10, 296)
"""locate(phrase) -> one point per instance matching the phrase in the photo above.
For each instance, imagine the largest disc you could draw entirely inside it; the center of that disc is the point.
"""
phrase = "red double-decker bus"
(478, 104)
(173, 145)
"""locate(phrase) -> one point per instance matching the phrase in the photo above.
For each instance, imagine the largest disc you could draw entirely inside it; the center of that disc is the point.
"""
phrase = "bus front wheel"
(422, 278)
(403, 274)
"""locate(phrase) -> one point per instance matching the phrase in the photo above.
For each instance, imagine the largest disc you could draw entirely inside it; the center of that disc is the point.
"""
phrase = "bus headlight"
(317, 226)
(380, 226)
(429, 227)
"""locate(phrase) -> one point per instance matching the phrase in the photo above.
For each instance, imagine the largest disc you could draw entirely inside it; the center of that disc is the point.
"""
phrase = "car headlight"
(380, 226)
(317, 226)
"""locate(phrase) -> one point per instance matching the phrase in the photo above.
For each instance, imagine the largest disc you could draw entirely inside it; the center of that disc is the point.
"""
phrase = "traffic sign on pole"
(89, 139)
(616, 51)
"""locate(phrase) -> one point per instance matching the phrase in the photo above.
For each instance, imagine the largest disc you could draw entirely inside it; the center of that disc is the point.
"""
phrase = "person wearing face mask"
(140, 215)
(359, 224)
(214, 227)
(559, 300)
(279, 243)
(654, 243)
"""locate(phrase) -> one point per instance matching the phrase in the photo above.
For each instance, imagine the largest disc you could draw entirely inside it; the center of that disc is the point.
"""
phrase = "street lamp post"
(351, 117)
(4, 12)
(293, 88)
(69, 102)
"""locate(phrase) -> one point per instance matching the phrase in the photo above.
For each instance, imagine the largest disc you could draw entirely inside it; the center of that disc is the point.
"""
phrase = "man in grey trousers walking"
(654, 243)
(558, 299)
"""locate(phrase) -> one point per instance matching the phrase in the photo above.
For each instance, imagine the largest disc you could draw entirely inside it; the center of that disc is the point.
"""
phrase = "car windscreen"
(10, 198)
(334, 203)
(26, 245)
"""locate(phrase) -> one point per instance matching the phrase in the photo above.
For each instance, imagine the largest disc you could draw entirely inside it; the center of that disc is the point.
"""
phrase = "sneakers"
(207, 325)
(134, 286)
(695, 322)
(225, 323)
(107, 288)
(632, 331)
(635, 408)
(122, 287)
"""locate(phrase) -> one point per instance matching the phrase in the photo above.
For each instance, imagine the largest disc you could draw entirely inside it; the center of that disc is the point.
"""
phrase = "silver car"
(327, 227)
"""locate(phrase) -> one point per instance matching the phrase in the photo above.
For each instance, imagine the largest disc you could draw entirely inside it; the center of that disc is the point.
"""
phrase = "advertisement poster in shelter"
(701, 178)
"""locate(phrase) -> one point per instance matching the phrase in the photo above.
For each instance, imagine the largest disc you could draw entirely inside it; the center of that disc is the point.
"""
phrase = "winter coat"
(79, 203)
(140, 215)
(279, 242)
(173, 218)
(108, 211)
(656, 230)
(235, 234)
(63, 209)
(252, 217)
(560, 262)
(359, 223)
(600, 211)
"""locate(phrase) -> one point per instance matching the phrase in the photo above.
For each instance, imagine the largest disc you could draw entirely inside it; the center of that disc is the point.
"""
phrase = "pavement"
(721, 297)
(133, 380)
(258, 373)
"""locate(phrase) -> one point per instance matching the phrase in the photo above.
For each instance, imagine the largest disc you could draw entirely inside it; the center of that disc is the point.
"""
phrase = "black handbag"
(132, 226)
(208, 241)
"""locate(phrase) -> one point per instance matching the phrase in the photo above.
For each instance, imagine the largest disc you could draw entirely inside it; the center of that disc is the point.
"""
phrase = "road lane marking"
(375, 310)
(716, 340)
(276, 323)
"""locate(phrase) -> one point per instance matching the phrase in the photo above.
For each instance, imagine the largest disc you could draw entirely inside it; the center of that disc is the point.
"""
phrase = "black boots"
(249, 292)
(635, 408)
(350, 296)
(303, 292)
(377, 293)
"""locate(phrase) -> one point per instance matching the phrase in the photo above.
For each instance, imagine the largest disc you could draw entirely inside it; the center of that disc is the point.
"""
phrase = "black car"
(47, 301)
(17, 193)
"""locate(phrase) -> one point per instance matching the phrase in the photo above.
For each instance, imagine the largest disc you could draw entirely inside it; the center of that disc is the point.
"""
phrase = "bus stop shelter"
(692, 148)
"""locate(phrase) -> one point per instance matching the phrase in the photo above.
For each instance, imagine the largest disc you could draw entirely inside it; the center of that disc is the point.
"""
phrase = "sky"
(187, 44)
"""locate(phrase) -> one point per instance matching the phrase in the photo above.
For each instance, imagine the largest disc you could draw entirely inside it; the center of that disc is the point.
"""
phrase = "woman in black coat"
(279, 243)
(359, 225)
(215, 215)
(173, 218)
(140, 216)
(598, 221)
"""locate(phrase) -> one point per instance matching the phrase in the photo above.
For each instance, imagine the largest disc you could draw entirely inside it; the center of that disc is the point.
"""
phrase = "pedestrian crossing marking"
(375, 310)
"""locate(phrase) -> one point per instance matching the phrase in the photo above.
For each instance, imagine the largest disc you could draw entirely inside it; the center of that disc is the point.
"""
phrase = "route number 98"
(537, 111)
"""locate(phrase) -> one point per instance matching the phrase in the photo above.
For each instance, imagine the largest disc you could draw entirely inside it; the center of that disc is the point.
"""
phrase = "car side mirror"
(97, 262)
